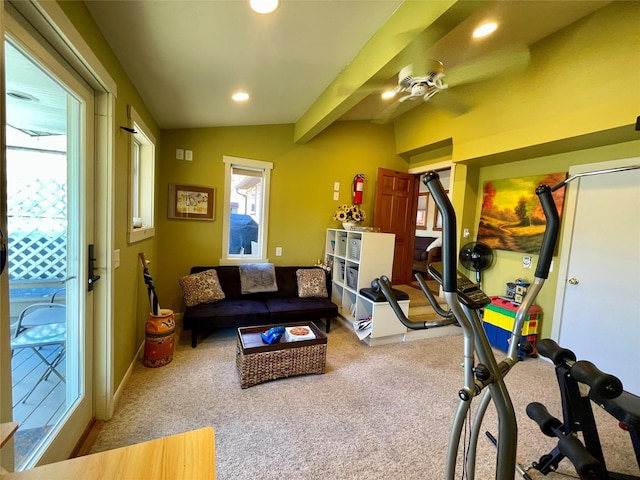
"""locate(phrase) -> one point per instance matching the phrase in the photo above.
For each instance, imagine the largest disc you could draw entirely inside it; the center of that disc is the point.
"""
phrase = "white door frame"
(6, 408)
(54, 25)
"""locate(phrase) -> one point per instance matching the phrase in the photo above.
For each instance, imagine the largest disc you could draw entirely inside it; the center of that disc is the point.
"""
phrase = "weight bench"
(606, 391)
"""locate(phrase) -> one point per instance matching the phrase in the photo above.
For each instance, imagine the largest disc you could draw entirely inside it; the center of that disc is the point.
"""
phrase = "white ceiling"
(186, 58)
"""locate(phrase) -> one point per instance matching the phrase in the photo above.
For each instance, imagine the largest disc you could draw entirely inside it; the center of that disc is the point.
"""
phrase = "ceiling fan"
(423, 87)
(414, 87)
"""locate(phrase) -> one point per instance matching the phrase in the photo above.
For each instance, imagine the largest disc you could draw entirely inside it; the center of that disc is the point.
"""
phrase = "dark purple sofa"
(265, 308)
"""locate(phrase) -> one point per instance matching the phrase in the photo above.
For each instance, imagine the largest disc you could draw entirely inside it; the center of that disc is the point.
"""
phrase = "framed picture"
(423, 208)
(511, 217)
(437, 216)
(191, 202)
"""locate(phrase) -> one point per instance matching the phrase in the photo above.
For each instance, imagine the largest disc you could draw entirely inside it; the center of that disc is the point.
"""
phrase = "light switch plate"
(188, 155)
(179, 154)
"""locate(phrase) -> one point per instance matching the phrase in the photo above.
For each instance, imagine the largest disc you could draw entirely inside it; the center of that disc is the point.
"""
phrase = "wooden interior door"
(395, 212)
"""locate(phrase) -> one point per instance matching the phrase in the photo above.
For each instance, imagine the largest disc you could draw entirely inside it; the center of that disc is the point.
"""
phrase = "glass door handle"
(3, 252)
(93, 278)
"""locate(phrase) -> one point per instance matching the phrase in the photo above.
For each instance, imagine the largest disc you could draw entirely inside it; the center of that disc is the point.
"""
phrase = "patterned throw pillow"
(203, 287)
(311, 283)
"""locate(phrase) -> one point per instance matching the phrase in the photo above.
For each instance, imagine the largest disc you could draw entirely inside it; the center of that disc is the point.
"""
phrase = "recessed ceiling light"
(388, 94)
(240, 96)
(263, 6)
(485, 29)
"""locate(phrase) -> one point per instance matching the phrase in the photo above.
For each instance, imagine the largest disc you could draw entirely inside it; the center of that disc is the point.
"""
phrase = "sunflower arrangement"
(349, 213)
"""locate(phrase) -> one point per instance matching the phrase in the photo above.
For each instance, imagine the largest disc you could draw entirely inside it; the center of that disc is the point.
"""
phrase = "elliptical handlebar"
(544, 193)
(449, 254)
(384, 285)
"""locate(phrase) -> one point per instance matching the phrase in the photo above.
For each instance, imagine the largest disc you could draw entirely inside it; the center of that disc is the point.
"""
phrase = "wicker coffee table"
(259, 362)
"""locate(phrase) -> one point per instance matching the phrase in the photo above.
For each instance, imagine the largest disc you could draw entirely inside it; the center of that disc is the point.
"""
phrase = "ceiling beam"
(411, 30)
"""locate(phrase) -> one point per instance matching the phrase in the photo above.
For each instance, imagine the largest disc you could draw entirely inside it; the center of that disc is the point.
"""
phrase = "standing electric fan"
(476, 256)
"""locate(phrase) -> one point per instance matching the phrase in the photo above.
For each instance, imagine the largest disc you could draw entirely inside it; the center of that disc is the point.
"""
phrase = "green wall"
(302, 181)
(131, 305)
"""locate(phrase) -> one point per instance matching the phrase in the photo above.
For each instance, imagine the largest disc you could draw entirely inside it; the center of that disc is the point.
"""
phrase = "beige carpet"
(379, 412)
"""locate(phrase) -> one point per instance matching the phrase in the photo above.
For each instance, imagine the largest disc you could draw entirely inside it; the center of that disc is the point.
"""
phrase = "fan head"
(476, 256)
(423, 87)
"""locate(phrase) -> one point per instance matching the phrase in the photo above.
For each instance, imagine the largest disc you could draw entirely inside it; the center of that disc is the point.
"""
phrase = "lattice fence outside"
(37, 224)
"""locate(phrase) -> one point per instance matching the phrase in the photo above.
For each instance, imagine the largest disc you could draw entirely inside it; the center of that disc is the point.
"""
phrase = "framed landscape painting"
(191, 202)
(511, 217)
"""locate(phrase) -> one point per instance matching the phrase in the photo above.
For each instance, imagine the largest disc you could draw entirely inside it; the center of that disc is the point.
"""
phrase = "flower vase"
(348, 225)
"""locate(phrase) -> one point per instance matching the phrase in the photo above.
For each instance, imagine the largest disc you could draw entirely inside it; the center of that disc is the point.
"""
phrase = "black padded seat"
(625, 408)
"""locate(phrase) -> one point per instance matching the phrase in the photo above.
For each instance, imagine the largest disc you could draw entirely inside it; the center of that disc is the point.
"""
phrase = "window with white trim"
(142, 179)
(246, 210)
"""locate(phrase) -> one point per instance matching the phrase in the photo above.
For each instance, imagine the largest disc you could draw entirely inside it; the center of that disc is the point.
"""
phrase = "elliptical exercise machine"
(465, 298)
(486, 377)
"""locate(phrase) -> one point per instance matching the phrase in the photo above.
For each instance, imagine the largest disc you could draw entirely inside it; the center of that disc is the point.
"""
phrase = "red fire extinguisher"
(358, 187)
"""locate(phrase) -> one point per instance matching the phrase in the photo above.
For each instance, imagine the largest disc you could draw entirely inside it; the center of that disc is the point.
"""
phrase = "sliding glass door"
(49, 181)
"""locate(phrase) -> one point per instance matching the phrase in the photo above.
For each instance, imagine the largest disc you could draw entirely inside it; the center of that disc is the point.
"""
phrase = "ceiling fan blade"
(447, 101)
(405, 76)
(419, 51)
(499, 63)
(368, 88)
(387, 114)
(406, 97)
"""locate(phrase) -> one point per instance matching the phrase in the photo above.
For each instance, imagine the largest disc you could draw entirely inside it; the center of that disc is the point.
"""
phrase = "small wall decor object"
(421, 214)
(191, 202)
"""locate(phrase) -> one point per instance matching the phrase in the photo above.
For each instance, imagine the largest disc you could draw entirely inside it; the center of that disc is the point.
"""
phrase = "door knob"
(574, 281)
(93, 278)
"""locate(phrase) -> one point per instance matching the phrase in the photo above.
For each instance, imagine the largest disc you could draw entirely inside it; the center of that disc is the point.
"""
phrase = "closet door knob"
(574, 281)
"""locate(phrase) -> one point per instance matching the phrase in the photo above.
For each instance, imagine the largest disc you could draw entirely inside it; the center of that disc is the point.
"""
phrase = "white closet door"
(600, 314)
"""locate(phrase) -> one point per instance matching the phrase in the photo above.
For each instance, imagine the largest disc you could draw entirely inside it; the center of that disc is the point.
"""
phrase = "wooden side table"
(184, 456)
(6, 432)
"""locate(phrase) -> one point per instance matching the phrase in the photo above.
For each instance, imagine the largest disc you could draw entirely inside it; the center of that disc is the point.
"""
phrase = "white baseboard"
(126, 378)
(138, 356)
